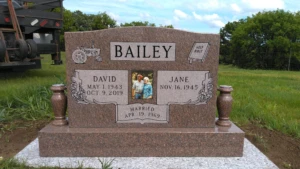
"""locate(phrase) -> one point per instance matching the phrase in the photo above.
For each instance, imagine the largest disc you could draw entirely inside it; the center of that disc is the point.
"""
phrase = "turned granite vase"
(224, 105)
(59, 104)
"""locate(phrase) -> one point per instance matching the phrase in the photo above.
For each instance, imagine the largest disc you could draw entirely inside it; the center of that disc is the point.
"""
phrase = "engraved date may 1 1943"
(104, 90)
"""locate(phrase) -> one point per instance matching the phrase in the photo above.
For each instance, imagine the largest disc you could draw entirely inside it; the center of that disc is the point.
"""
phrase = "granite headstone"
(141, 91)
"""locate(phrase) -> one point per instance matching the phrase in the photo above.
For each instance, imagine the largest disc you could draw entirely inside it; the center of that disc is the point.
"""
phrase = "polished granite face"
(102, 69)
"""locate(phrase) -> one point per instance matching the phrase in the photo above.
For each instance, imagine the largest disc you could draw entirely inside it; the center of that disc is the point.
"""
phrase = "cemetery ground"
(266, 107)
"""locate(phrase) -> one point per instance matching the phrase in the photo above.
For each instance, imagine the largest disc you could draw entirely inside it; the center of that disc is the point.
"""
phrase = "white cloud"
(168, 22)
(180, 15)
(153, 4)
(199, 17)
(217, 23)
(114, 16)
(263, 4)
(235, 8)
(145, 15)
(210, 5)
(213, 20)
(211, 17)
(206, 17)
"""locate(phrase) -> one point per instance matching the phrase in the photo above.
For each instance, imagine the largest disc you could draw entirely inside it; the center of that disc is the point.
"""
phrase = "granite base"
(252, 158)
(62, 141)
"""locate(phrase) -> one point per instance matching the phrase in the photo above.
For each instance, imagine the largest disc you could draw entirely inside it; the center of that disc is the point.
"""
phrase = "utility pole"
(290, 58)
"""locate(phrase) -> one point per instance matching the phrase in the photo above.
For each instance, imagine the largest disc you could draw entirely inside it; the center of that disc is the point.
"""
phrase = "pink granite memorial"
(142, 92)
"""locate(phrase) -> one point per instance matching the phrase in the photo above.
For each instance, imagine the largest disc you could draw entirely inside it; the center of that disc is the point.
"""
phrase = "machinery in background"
(25, 26)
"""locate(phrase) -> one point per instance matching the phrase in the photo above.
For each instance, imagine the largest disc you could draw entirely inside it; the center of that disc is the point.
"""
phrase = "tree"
(68, 26)
(102, 21)
(137, 23)
(79, 21)
(225, 36)
(69, 21)
(82, 22)
(145, 23)
(167, 26)
(265, 40)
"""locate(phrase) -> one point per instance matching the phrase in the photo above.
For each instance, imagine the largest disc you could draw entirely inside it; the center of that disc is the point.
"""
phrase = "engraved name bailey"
(142, 51)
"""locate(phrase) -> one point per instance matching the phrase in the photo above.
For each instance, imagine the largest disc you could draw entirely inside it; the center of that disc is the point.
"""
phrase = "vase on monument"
(59, 104)
(224, 105)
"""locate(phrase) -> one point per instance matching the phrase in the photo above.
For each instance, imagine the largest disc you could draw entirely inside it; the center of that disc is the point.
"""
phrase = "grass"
(259, 139)
(266, 97)
(106, 164)
(26, 95)
(11, 163)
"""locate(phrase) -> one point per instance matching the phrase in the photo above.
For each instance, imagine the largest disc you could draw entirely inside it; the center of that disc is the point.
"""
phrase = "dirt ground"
(283, 150)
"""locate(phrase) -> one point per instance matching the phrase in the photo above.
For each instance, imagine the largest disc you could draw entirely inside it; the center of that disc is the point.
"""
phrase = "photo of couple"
(141, 85)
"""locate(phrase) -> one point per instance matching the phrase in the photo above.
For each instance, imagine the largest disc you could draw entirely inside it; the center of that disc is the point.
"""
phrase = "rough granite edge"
(142, 27)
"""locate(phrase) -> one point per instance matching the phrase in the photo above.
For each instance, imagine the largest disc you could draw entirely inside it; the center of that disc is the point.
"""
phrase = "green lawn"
(14, 83)
(264, 97)
(25, 95)
(269, 98)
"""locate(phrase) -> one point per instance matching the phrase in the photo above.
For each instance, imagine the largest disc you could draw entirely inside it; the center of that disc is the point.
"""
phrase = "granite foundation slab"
(252, 158)
(62, 141)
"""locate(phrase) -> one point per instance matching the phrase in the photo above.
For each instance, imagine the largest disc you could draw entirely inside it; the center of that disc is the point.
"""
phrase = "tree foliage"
(102, 21)
(145, 23)
(267, 40)
(137, 23)
(225, 36)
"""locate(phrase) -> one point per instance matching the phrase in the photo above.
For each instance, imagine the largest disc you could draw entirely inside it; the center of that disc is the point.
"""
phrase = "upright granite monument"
(140, 92)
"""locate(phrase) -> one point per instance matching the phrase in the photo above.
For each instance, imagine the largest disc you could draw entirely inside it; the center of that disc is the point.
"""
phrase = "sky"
(203, 16)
